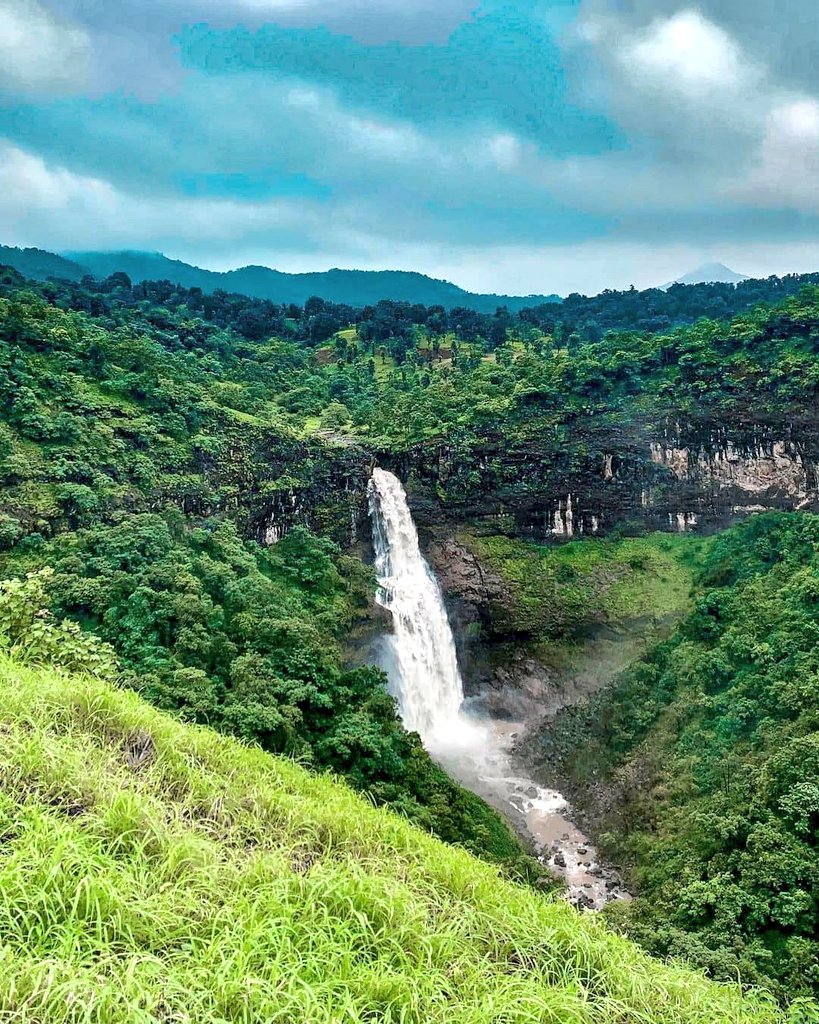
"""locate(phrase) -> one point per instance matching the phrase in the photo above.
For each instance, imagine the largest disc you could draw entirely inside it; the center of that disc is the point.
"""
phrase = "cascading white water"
(429, 685)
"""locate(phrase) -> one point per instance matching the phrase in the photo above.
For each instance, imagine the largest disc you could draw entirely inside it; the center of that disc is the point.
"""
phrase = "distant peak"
(716, 268)
(709, 273)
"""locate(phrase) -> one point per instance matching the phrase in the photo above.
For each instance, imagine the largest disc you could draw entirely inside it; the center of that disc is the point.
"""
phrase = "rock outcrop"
(560, 485)
(591, 483)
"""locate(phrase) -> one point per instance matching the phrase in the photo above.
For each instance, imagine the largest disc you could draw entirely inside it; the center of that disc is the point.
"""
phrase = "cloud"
(252, 136)
(46, 205)
(50, 206)
(679, 76)
(783, 38)
(786, 173)
(501, 68)
(39, 52)
(690, 54)
(715, 113)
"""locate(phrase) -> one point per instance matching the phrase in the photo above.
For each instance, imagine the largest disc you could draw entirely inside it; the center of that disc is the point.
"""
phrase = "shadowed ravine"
(420, 660)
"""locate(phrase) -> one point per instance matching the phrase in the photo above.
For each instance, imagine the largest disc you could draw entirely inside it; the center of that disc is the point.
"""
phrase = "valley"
(599, 514)
(540, 628)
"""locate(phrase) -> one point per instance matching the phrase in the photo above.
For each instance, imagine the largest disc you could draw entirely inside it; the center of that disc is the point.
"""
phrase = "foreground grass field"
(150, 871)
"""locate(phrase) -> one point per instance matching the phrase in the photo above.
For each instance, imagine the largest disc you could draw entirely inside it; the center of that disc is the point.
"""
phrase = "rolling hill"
(350, 287)
(39, 264)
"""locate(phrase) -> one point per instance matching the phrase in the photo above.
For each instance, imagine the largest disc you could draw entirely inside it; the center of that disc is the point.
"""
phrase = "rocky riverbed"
(484, 762)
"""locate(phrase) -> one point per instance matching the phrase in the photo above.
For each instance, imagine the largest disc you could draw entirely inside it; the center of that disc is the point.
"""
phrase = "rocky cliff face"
(767, 474)
(473, 595)
(504, 674)
(586, 483)
(642, 480)
(500, 675)
(328, 494)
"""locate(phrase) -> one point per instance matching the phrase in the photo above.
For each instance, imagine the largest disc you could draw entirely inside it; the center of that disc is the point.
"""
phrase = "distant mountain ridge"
(709, 273)
(39, 264)
(351, 287)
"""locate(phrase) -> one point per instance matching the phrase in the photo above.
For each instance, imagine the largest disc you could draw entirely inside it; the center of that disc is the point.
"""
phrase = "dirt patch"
(139, 750)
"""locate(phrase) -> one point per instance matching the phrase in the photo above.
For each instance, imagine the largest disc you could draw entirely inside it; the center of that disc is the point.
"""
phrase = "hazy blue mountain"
(354, 287)
(710, 273)
(39, 264)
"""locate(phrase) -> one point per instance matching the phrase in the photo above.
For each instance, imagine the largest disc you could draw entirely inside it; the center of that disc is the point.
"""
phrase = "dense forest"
(404, 374)
(401, 324)
(153, 436)
(710, 752)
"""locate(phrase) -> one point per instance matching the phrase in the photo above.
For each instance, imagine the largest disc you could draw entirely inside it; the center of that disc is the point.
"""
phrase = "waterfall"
(423, 672)
(426, 677)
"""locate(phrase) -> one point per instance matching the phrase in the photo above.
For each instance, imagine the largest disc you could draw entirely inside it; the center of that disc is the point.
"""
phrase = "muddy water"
(482, 761)
(489, 757)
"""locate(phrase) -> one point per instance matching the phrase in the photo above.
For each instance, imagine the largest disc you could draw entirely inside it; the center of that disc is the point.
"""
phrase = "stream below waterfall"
(420, 661)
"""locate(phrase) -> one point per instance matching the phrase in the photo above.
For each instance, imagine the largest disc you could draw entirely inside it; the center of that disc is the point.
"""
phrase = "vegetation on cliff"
(553, 596)
(153, 871)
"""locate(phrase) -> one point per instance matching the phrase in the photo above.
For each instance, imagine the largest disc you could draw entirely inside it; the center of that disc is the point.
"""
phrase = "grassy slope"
(151, 871)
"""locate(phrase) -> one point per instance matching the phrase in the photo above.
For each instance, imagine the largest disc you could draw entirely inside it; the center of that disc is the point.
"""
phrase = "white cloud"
(680, 85)
(52, 207)
(690, 54)
(349, 133)
(721, 127)
(786, 172)
(505, 150)
(38, 52)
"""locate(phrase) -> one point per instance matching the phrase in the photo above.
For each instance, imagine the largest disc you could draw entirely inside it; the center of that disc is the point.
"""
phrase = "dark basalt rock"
(591, 477)
(596, 478)
(329, 496)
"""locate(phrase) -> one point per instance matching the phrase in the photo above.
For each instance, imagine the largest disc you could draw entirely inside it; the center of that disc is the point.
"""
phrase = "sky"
(528, 147)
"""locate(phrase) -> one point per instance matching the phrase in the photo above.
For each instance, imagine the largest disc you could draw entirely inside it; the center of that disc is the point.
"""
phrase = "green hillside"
(152, 871)
(707, 752)
(40, 264)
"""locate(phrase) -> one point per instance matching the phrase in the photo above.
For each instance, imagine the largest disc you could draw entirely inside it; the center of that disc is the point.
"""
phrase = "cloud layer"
(539, 147)
(38, 51)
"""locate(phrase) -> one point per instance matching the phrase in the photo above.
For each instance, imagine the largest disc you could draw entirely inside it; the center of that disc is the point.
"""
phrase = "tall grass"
(153, 872)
